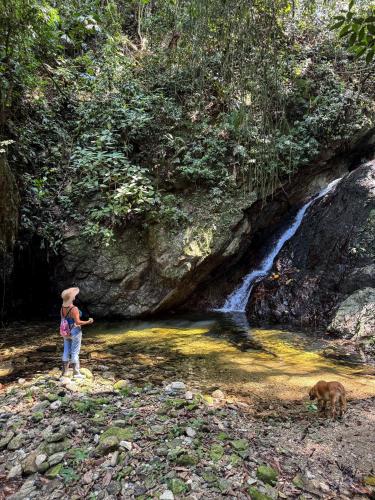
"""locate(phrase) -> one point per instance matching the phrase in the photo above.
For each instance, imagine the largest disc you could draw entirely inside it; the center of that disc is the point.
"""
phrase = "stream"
(209, 351)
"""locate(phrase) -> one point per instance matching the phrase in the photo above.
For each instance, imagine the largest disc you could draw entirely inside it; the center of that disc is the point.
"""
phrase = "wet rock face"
(328, 267)
(152, 269)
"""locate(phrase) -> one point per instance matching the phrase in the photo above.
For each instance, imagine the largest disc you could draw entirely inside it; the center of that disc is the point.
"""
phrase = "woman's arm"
(77, 319)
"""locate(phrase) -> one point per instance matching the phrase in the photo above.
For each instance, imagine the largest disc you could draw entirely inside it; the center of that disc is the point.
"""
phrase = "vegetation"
(111, 111)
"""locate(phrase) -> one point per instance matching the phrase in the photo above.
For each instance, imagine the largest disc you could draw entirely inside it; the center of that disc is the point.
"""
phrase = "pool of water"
(206, 351)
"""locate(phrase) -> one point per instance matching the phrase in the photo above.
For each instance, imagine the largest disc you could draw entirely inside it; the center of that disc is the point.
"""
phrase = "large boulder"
(325, 275)
(150, 269)
(356, 315)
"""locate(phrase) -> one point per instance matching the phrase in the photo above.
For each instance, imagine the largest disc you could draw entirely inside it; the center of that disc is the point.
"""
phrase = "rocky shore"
(108, 438)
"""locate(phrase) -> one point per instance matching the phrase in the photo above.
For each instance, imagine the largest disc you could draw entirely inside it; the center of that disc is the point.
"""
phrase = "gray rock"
(328, 261)
(56, 458)
(6, 439)
(40, 459)
(15, 471)
(17, 442)
(175, 388)
(55, 405)
(167, 495)
(356, 315)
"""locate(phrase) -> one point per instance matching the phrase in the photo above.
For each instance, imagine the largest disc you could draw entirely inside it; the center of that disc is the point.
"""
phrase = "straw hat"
(69, 295)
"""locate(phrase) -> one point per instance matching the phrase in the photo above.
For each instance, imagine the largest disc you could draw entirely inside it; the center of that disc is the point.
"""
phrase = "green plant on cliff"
(121, 111)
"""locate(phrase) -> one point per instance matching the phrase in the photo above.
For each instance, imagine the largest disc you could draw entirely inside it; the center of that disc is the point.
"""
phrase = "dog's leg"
(343, 406)
(333, 407)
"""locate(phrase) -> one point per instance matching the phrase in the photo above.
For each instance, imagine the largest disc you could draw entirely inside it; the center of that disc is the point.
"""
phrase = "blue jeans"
(72, 346)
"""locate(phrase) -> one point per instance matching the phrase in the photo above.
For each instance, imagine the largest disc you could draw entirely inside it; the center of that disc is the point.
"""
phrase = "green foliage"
(359, 30)
(112, 126)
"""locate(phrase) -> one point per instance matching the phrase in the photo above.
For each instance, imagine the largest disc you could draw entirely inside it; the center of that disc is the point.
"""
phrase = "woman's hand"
(90, 320)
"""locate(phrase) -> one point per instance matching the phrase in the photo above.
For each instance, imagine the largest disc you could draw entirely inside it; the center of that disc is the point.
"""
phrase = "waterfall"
(239, 298)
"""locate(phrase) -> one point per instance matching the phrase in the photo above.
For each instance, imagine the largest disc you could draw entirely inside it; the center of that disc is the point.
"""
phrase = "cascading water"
(239, 298)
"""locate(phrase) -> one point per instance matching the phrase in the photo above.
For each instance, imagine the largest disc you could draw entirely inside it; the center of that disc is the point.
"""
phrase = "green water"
(207, 352)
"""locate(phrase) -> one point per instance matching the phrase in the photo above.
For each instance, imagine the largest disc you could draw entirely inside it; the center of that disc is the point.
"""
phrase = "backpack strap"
(67, 314)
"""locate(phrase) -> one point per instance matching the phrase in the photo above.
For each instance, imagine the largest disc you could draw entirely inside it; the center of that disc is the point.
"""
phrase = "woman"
(72, 344)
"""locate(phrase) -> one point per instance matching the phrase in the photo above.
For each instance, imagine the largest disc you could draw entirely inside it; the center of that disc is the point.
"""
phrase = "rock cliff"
(325, 275)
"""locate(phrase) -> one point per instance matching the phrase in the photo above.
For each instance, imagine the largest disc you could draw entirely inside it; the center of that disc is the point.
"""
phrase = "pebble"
(15, 471)
(88, 477)
(175, 388)
(190, 432)
(21, 381)
(189, 395)
(56, 458)
(114, 458)
(40, 459)
(126, 444)
(55, 405)
(218, 394)
(96, 438)
(167, 495)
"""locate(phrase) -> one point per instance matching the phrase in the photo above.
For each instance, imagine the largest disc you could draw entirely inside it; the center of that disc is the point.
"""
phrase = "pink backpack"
(64, 324)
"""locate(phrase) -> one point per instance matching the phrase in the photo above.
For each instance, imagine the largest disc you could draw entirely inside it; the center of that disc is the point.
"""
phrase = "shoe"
(76, 373)
(65, 369)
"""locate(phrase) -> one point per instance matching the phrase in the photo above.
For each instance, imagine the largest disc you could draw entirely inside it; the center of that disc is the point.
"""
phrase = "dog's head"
(312, 393)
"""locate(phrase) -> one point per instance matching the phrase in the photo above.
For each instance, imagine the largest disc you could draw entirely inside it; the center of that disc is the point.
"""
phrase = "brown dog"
(334, 392)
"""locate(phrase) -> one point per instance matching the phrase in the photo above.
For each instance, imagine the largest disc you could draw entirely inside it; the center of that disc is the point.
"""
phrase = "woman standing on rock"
(72, 343)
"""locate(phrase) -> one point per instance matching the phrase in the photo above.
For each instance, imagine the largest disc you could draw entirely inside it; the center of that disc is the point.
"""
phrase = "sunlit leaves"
(359, 30)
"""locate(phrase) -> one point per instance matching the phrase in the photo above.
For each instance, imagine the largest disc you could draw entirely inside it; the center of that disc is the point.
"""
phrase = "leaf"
(338, 25)
(370, 56)
(353, 38)
(345, 30)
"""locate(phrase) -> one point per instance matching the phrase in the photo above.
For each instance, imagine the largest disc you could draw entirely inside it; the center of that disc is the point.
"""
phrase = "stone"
(56, 458)
(218, 394)
(6, 439)
(55, 405)
(126, 444)
(190, 432)
(255, 494)
(55, 447)
(120, 384)
(27, 490)
(6, 368)
(167, 495)
(21, 381)
(88, 477)
(175, 388)
(40, 459)
(177, 486)
(87, 373)
(29, 463)
(114, 458)
(216, 452)
(187, 459)
(52, 436)
(15, 471)
(369, 480)
(54, 471)
(111, 438)
(16, 442)
(189, 395)
(355, 316)
(267, 474)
